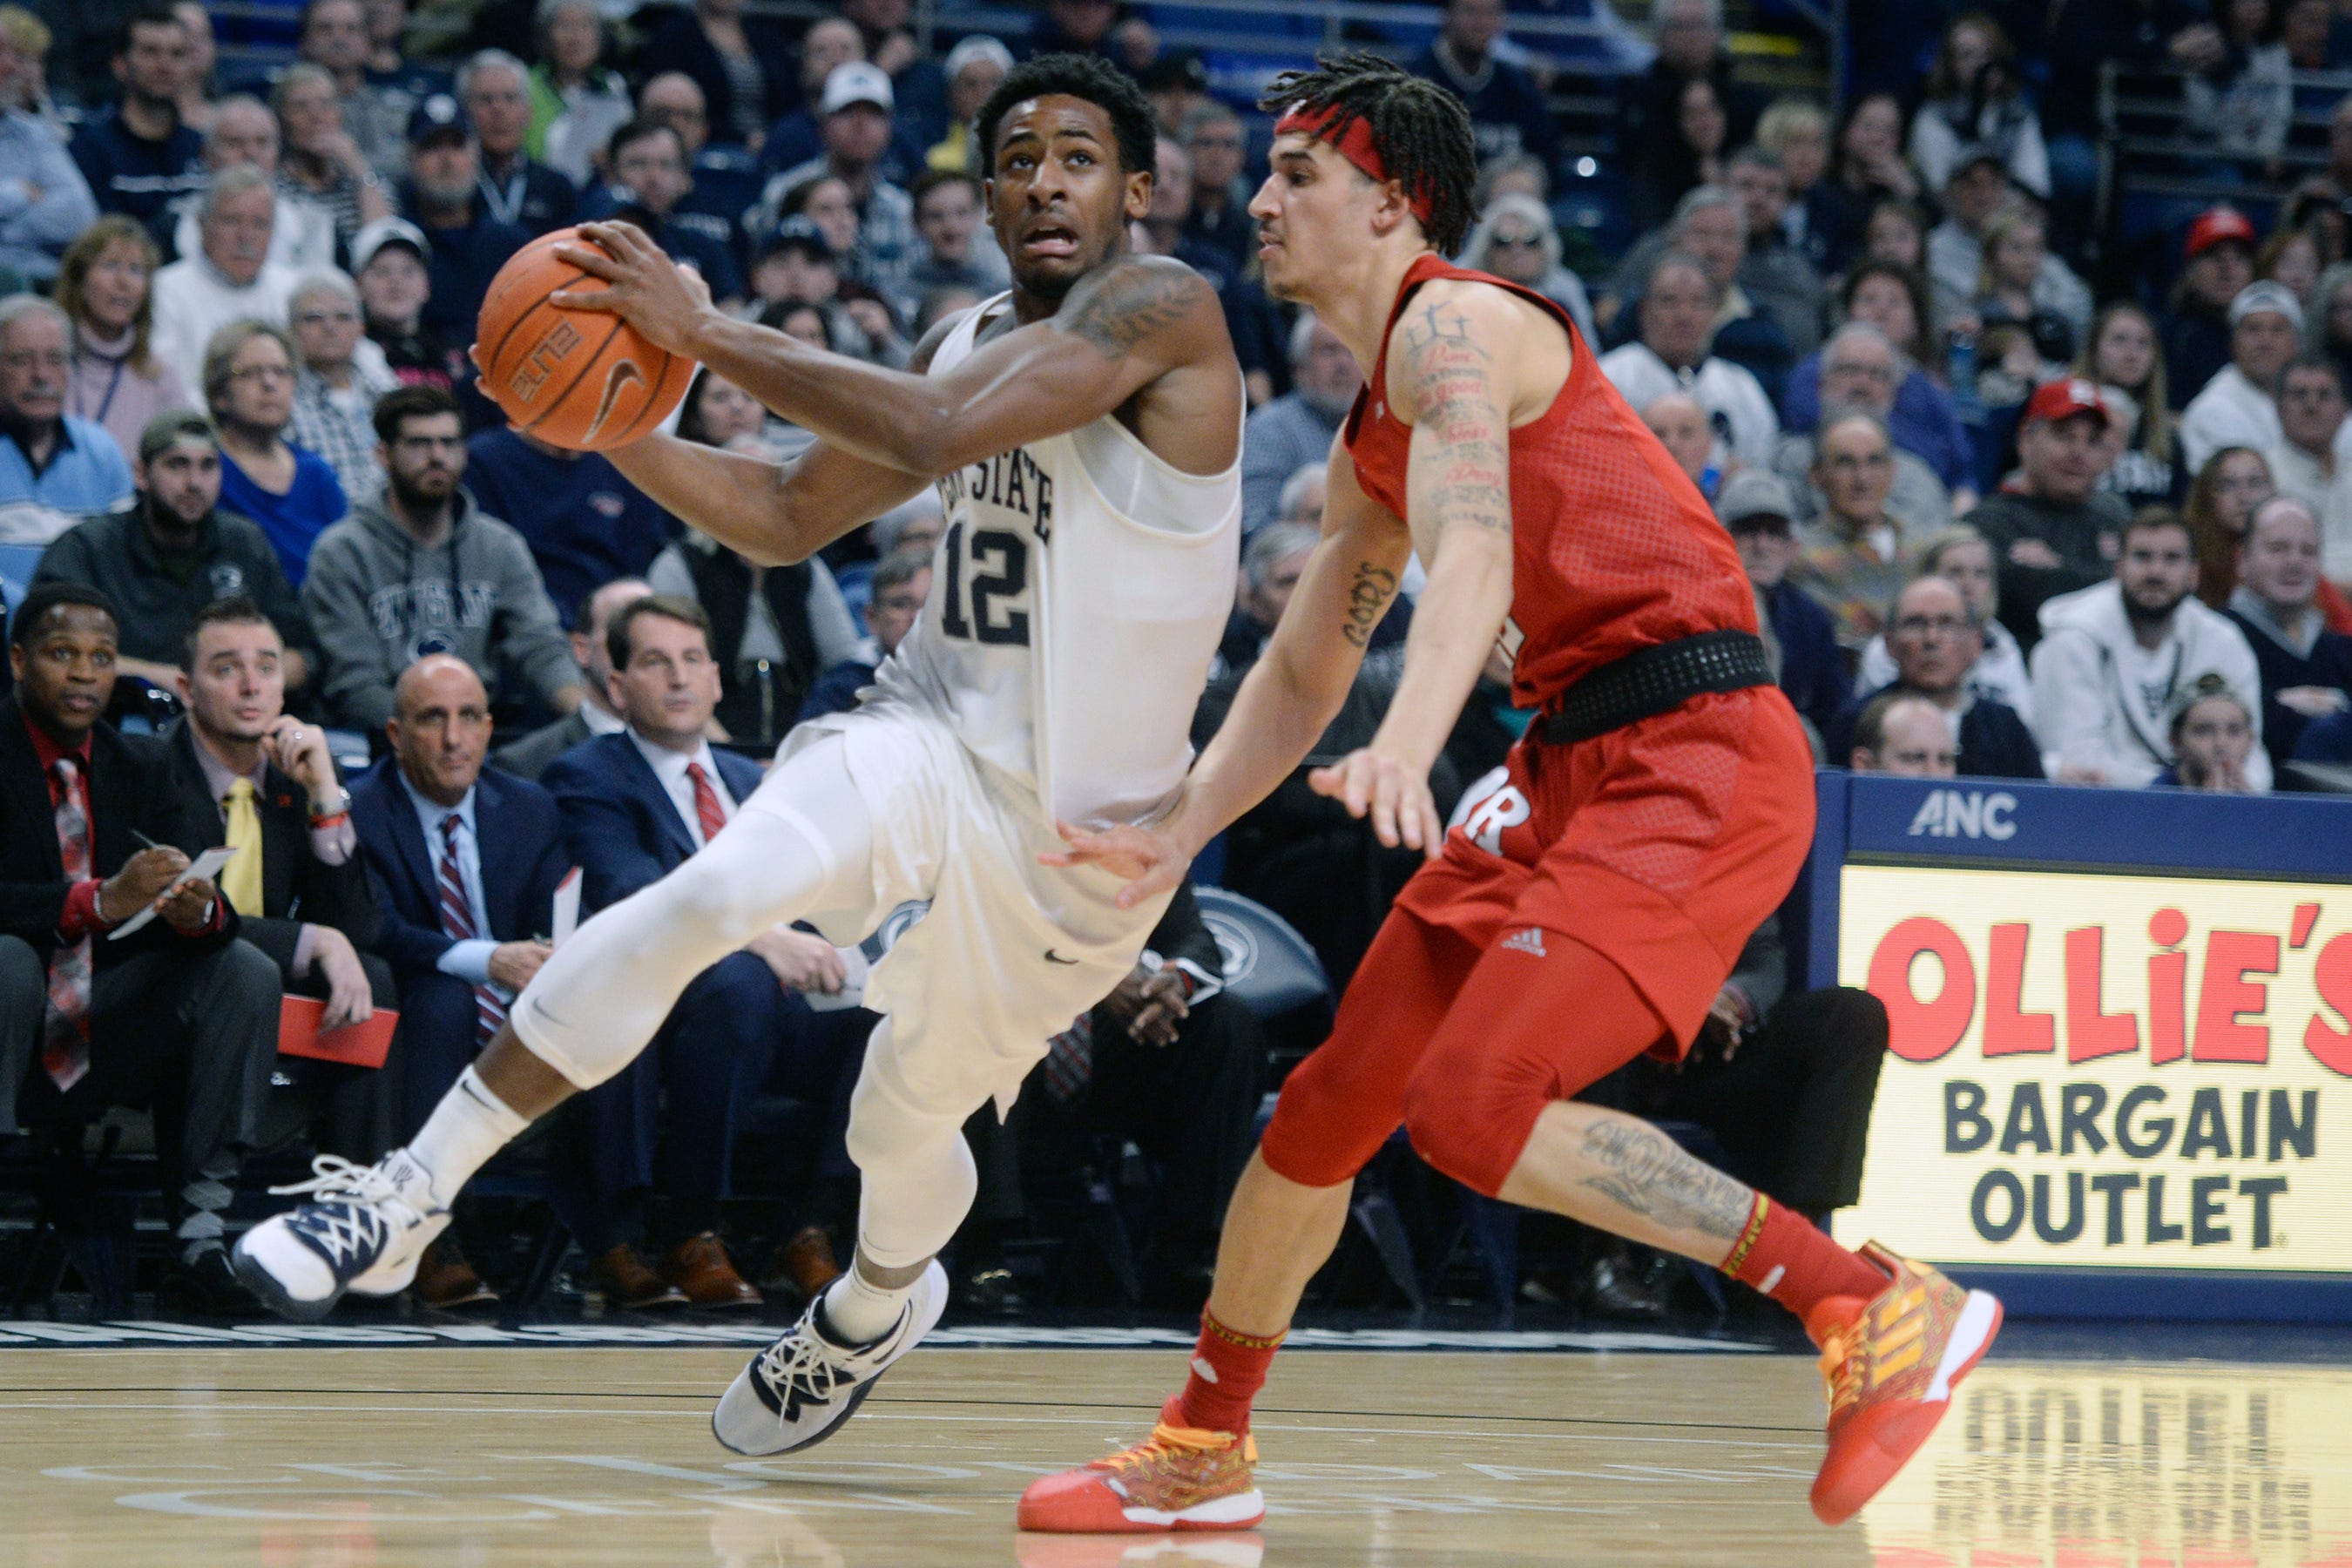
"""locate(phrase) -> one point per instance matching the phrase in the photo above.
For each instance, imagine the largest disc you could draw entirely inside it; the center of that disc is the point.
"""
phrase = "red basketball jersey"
(1615, 549)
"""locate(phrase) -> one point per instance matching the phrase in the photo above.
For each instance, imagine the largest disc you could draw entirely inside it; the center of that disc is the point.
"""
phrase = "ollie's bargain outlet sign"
(2104, 1070)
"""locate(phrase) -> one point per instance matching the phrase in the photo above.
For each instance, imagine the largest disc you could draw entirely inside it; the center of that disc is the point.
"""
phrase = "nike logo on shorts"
(1052, 957)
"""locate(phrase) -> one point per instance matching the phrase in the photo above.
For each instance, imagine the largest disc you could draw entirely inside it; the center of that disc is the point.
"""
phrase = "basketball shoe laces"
(1190, 1460)
(808, 1368)
(345, 1218)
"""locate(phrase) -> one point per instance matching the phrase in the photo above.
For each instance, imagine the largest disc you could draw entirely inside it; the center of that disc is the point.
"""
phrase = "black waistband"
(1656, 680)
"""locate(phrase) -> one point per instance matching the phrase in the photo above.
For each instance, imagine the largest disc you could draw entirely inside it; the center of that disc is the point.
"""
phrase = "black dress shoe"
(204, 1287)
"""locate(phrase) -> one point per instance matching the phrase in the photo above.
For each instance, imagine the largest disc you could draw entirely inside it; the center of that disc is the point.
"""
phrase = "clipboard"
(205, 868)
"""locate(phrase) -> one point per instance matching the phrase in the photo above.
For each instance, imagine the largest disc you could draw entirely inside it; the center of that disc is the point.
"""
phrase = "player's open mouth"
(1049, 241)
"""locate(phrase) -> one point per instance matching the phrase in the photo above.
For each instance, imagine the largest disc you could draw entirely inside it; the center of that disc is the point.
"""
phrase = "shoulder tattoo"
(1130, 301)
(1445, 375)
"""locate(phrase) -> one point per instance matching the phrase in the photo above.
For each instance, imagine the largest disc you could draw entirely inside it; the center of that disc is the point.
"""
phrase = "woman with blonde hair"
(2125, 356)
(1517, 240)
(105, 288)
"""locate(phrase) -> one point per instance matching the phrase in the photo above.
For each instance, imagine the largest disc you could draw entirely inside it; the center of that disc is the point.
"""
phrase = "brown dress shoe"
(627, 1283)
(699, 1266)
(446, 1282)
(804, 1263)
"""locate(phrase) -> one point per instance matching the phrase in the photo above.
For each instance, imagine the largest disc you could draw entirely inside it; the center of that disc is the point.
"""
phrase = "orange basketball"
(579, 379)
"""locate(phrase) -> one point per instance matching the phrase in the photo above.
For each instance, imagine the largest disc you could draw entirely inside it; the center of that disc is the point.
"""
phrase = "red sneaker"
(1891, 1364)
(1180, 1477)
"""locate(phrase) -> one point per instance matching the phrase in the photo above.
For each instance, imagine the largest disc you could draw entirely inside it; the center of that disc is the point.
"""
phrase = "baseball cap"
(170, 428)
(2056, 400)
(1177, 70)
(799, 232)
(1755, 495)
(437, 114)
(973, 49)
(372, 237)
(2218, 226)
(2267, 296)
(854, 82)
(1969, 155)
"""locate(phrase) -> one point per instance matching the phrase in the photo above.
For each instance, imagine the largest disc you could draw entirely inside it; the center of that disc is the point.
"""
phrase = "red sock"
(1228, 1369)
(1784, 1256)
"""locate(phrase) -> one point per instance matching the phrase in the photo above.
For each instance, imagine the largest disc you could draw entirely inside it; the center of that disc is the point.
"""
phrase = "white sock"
(859, 1311)
(465, 1129)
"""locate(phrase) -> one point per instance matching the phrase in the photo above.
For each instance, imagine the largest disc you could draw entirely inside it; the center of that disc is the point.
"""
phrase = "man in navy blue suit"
(465, 860)
(635, 805)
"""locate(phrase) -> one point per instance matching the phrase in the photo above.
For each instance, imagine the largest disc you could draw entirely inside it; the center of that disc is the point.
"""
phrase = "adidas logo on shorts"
(1529, 941)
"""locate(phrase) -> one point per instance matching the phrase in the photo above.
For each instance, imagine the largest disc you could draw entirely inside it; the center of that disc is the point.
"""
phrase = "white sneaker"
(364, 1229)
(798, 1390)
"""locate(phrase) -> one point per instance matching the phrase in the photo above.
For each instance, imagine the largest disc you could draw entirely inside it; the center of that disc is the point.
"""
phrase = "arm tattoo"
(1130, 302)
(1367, 598)
(1445, 376)
(1644, 1173)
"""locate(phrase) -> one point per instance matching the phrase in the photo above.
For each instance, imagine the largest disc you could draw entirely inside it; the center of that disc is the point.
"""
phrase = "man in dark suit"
(258, 779)
(465, 860)
(635, 806)
(1935, 641)
(528, 758)
(178, 1015)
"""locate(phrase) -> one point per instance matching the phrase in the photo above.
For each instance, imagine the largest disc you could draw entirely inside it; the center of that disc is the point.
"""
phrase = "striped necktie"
(65, 1045)
(708, 815)
(457, 921)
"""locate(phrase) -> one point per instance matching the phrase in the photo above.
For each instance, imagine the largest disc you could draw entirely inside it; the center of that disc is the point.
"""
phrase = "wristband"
(318, 824)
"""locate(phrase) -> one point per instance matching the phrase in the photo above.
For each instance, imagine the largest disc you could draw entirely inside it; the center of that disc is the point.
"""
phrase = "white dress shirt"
(669, 767)
(467, 959)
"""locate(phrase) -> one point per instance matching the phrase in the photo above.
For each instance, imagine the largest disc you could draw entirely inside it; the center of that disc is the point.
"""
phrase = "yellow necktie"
(240, 882)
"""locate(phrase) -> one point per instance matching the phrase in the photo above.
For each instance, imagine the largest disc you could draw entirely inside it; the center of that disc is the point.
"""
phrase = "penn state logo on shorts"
(1488, 808)
(227, 579)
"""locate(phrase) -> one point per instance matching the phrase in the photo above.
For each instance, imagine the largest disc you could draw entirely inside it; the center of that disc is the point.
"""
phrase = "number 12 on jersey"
(973, 607)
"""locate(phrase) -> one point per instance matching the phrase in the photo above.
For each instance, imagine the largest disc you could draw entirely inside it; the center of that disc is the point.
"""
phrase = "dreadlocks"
(1420, 131)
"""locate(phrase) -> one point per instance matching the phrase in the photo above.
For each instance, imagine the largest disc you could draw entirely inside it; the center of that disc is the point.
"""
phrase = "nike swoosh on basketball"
(619, 376)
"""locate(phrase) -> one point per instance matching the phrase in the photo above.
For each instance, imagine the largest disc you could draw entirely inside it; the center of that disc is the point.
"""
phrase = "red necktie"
(457, 921)
(65, 1050)
(706, 809)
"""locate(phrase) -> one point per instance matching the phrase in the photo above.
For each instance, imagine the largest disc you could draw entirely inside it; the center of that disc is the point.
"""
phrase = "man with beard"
(2114, 658)
(137, 156)
(420, 571)
(445, 196)
(1287, 433)
(174, 553)
(1032, 690)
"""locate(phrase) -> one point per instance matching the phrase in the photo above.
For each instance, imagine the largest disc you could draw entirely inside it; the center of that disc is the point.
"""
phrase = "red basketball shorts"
(1588, 908)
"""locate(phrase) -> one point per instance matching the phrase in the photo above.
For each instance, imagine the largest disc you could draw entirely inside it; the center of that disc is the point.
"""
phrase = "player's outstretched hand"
(1369, 783)
(1149, 861)
(643, 286)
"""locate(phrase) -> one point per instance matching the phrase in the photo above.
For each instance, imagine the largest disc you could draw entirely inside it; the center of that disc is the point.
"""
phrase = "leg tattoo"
(1642, 1170)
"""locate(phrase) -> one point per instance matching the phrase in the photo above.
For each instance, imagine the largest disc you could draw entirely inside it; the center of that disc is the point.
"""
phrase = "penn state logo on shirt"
(227, 579)
(430, 644)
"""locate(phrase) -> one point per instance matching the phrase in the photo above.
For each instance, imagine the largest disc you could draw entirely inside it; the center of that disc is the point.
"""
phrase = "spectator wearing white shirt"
(2239, 408)
(2303, 463)
(2115, 659)
(1678, 309)
(243, 135)
(230, 279)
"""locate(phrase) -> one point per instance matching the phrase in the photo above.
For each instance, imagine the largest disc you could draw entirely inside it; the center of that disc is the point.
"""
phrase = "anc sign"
(2093, 1070)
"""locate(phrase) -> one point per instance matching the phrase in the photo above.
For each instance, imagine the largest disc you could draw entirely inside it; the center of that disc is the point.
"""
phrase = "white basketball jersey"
(1079, 591)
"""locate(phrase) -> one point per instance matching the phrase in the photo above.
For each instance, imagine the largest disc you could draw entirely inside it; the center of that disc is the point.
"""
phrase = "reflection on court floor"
(371, 1458)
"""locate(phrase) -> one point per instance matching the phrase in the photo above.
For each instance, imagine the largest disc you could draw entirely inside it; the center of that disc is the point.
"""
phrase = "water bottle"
(1960, 365)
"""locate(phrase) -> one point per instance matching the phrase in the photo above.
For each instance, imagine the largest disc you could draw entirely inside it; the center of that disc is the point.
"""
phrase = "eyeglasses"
(1516, 242)
(328, 318)
(1848, 465)
(263, 373)
(899, 604)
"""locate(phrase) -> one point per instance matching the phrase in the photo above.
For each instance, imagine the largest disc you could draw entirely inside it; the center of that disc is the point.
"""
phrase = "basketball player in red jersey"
(1588, 910)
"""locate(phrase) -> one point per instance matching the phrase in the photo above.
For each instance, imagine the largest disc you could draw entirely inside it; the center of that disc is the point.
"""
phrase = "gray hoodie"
(379, 601)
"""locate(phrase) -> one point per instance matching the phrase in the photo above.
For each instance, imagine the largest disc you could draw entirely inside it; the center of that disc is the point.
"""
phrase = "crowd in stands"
(2015, 500)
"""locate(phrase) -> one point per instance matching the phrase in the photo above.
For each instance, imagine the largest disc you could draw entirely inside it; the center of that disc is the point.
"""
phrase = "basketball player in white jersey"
(1083, 431)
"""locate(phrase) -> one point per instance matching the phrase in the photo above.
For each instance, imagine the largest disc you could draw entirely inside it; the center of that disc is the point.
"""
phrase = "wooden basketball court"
(389, 1454)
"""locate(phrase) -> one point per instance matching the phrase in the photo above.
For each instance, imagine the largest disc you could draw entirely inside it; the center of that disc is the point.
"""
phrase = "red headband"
(1354, 144)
